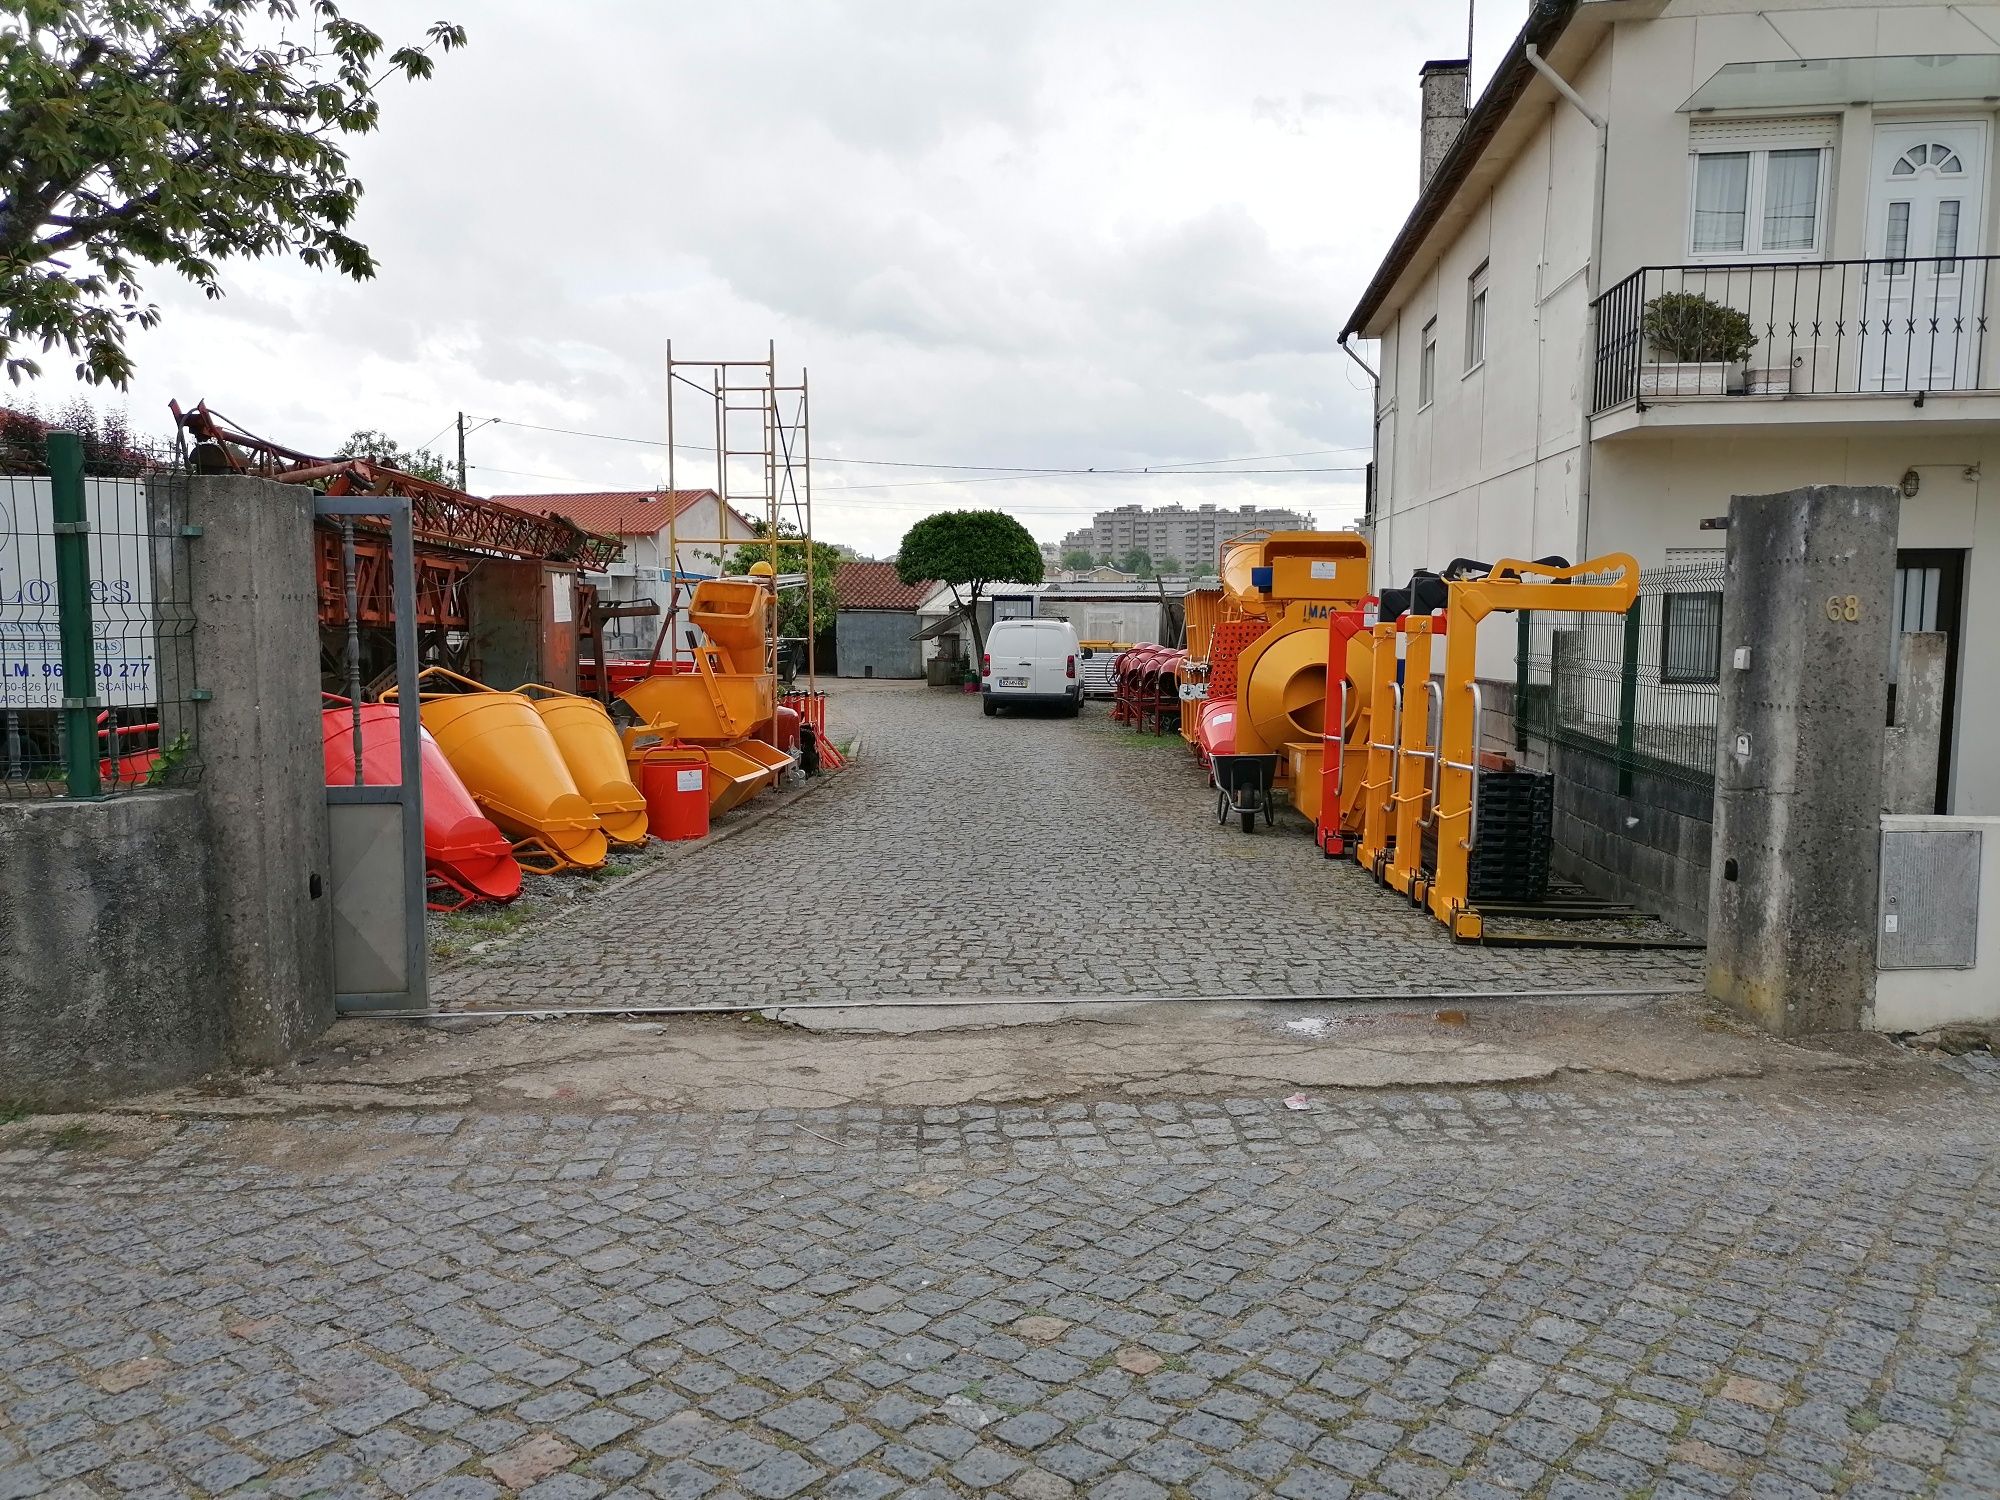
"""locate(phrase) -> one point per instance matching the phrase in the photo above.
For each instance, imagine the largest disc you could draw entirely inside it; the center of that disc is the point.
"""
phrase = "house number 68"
(1843, 607)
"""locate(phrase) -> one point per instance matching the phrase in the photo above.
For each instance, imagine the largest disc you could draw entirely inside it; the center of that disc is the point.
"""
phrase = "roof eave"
(1566, 32)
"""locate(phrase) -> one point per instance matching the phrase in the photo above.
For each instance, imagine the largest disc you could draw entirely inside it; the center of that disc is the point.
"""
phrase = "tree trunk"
(971, 610)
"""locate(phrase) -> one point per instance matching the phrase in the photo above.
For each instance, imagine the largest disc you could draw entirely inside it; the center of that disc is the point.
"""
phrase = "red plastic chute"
(463, 850)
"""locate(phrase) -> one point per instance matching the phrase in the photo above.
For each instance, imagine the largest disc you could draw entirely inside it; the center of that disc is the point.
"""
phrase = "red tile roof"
(611, 512)
(874, 585)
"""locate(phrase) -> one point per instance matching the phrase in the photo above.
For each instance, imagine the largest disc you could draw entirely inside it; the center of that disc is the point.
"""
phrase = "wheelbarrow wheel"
(1249, 820)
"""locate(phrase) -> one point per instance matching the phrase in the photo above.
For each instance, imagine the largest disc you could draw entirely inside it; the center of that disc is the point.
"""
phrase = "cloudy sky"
(1045, 234)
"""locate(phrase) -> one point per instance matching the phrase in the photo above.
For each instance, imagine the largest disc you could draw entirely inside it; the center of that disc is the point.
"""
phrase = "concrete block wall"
(1649, 846)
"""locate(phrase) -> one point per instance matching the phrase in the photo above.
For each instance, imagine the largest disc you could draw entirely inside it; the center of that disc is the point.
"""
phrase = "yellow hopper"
(509, 761)
(589, 744)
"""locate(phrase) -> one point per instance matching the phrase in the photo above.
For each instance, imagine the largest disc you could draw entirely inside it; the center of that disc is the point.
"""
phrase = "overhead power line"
(1026, 470)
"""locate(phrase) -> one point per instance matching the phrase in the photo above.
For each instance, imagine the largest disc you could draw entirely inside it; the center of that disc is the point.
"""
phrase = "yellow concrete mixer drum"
(1282, 675)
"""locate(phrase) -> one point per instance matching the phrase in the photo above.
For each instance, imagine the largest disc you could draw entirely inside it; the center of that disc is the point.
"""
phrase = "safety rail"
(1434, 728)
(1813, 328)
(1471, 839)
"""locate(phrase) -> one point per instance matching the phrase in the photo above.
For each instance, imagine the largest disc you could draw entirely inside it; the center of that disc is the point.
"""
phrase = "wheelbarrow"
(1243, 786)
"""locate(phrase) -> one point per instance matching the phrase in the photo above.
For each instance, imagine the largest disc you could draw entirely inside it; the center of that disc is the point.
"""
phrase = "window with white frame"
(1758, 191)
(1427, 366)
(1475, 319)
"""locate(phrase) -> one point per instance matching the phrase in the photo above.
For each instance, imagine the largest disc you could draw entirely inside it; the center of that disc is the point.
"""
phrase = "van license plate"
(1013, 682)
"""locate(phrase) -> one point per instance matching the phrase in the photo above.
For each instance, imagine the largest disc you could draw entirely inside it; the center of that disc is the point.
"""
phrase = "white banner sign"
(121, 595)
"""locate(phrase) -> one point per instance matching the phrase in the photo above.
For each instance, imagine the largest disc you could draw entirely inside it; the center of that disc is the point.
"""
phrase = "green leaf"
(157, 133)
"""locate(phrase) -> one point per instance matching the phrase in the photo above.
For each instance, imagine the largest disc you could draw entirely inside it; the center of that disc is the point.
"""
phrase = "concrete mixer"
(1258, 694)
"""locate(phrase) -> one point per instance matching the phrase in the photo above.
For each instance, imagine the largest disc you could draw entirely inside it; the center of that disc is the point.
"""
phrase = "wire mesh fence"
(1639, 689)
(139, 695)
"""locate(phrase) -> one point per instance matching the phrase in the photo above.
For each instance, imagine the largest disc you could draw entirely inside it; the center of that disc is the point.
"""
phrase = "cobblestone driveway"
(1599, 1292)
(1018, 856)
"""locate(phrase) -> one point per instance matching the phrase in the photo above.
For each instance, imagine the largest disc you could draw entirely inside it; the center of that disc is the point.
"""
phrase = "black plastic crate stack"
(1516, 835)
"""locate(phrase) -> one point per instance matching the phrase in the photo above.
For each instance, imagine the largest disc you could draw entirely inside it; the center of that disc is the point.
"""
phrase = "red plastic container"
(785, 726)
(675, 786)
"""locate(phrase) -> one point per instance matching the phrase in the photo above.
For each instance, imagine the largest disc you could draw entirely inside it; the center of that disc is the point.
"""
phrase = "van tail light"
(1072, 668)
(985, 664)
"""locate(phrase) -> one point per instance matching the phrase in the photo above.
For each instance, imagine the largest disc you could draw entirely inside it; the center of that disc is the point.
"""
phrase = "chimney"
(1447, 90)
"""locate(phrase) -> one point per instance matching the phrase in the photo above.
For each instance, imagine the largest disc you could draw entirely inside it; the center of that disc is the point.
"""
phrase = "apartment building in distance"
(1173, 535)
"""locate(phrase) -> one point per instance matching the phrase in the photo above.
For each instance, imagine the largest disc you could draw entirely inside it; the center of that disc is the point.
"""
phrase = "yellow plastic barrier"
(590, 747)
(509, 761)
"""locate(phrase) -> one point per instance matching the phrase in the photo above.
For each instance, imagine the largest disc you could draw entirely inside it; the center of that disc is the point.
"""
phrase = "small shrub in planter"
(1695, 341)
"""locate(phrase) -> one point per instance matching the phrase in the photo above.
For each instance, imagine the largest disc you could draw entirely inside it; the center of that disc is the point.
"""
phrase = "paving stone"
(529, 1461)
(1248, 1307)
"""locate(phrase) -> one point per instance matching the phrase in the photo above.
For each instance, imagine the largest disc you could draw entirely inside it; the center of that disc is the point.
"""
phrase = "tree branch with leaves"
(146, 133)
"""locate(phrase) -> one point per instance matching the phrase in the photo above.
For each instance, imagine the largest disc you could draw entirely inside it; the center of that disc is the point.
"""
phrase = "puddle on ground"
(1317, 1028)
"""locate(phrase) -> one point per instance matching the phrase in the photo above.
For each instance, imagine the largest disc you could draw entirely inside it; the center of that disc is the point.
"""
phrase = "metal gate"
(377, 829)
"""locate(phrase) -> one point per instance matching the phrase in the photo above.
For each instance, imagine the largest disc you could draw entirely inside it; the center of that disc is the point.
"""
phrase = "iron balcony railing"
(1818, 328)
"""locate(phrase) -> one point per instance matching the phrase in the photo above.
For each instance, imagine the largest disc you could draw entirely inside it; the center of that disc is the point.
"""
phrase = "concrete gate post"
(1806, 637)
(256, 664)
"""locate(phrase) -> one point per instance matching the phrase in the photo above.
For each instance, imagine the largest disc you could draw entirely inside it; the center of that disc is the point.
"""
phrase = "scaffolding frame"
(770, 481)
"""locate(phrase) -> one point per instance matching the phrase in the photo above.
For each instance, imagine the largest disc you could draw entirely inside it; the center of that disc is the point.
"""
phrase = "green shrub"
(1693, 329)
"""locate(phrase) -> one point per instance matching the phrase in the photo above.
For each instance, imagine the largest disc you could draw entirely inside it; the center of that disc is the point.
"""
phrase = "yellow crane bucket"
(733, 777)
(511, 765)
(590, 747)
(735, 614)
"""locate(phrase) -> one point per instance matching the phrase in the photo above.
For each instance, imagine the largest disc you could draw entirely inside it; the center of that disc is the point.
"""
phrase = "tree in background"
(111, 449)
(1079, 558)
(1136, 560)
(969, 549)
(383, 449)
(145, 133)
(791, 558)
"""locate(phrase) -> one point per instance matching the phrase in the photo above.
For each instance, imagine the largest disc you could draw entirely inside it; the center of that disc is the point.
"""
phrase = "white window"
(1758, 202)
(1427, 367)
(1475, 319)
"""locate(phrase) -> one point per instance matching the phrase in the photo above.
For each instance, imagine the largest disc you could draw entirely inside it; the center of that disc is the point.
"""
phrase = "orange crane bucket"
(590, 747)
(510, 763)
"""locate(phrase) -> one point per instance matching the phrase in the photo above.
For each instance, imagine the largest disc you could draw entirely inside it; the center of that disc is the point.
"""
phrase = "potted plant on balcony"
(1698, 346)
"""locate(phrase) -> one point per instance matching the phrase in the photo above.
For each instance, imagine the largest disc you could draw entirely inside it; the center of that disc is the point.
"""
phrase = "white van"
(1032, 662)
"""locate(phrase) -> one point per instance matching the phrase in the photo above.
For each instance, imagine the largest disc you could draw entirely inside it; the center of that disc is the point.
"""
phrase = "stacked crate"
(1510, 861)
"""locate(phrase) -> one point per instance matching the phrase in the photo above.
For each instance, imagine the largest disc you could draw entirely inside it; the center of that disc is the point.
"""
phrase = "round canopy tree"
(969, 550)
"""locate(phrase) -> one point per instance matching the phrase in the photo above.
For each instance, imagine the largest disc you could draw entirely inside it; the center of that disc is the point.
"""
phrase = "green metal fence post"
(79, 654)
(1523, 639)
(1628, 700)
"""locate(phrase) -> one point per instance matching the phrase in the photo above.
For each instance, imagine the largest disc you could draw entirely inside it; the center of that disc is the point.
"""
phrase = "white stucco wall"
(1489, 469)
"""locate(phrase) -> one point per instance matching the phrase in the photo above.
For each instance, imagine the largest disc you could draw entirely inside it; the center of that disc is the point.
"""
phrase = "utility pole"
(461, 450)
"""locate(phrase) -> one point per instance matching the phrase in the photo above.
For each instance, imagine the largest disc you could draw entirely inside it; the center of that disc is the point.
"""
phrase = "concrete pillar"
(256, 664)
(1916, 739)
(1805, 668)
(1447, 94)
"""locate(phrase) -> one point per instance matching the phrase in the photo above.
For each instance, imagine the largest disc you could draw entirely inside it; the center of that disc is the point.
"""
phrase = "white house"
(1826, 170)
(641, 519)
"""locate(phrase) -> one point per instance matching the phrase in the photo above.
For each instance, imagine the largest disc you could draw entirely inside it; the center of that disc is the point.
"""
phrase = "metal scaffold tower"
(759, 434)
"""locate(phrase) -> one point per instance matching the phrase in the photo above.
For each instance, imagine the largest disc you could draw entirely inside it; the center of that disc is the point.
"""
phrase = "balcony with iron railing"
(1725, 344)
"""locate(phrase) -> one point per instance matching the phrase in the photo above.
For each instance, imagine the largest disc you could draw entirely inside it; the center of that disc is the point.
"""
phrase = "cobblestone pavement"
(1598, 1291)
(1017, 856)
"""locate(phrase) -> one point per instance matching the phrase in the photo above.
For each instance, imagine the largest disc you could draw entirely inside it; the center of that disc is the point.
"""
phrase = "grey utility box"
(1930, 898)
